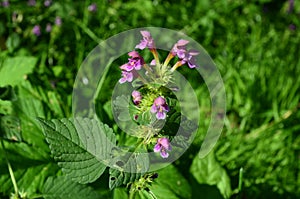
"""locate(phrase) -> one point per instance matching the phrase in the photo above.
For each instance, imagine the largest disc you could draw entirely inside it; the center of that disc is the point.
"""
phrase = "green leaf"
(10, 128)
(209, 171)
(79, 145)
(29, 165)
(13, 41)
(131, 166)
(64, 188)
(118, 178)
(27, 108)
(120, 193)
(13, 70)
(170, 183)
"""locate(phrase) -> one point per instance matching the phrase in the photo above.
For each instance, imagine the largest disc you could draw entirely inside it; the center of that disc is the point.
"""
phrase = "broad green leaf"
(131, 166)
(64, 188)
(208, 171)
(13, 70)
(27, 108)
(79, 146)
(118, 178)
(170, 183)
(120, 193)
(10, 128)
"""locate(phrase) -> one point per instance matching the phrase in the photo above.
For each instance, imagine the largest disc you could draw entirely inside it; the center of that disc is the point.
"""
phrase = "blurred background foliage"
(254, 43)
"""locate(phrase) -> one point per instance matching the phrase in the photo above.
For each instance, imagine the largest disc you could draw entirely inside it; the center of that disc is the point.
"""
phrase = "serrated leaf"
(169, 184)
(64, 188)
(79, 146)
(18, 66)
(130, 167)
(118, 178)
(208, 171)
(10, 128)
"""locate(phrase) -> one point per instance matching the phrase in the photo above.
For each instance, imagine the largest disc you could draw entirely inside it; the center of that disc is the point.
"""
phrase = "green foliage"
(255, 45)
(13, 70)
(79, 145)
(65, 188)
(209, 171)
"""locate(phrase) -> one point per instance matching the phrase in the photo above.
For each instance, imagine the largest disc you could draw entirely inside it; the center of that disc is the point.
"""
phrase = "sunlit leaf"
(64, 188)
(79, 145)
(13, 70)
(208, 171)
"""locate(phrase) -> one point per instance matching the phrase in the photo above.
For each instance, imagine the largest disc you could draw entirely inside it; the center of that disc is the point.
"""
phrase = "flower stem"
(178, 64)
(11, 173)
(155, 54)
(168, 59)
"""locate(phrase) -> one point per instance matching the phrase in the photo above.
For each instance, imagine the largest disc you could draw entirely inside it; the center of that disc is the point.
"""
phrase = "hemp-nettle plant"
(152, 101)
(153, 129)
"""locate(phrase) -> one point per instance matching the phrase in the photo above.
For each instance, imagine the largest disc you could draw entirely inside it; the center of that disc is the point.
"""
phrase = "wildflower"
(190, 59)
(126, 77)
(137, 97)
(5, 3)
(291, 6)
(135, 62)
(187, 58)
(292, 27)
(179, 48)
(48, 27)
(160, 107)
(31, 2)
(58, 21)
(47, 3)
(162, 146)
(147, 41)
(92, 7)
(36, 30)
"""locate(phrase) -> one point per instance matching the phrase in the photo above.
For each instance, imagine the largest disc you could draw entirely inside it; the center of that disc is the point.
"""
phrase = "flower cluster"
(135, 62)
(153, 99)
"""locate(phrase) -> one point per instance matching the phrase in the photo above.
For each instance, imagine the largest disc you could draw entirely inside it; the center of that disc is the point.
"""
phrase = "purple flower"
(291, 6)
(36, 30)
(58, 21)
(179, 48)
(160, 107)
(48, 27)
(92, 7)
(47, 3)
(5, 3)
(31, 2)
(292, 27)
(134, 62)
(147, 41)
(137, 97)
(189, 58)
(162, 146)
(126, 77)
